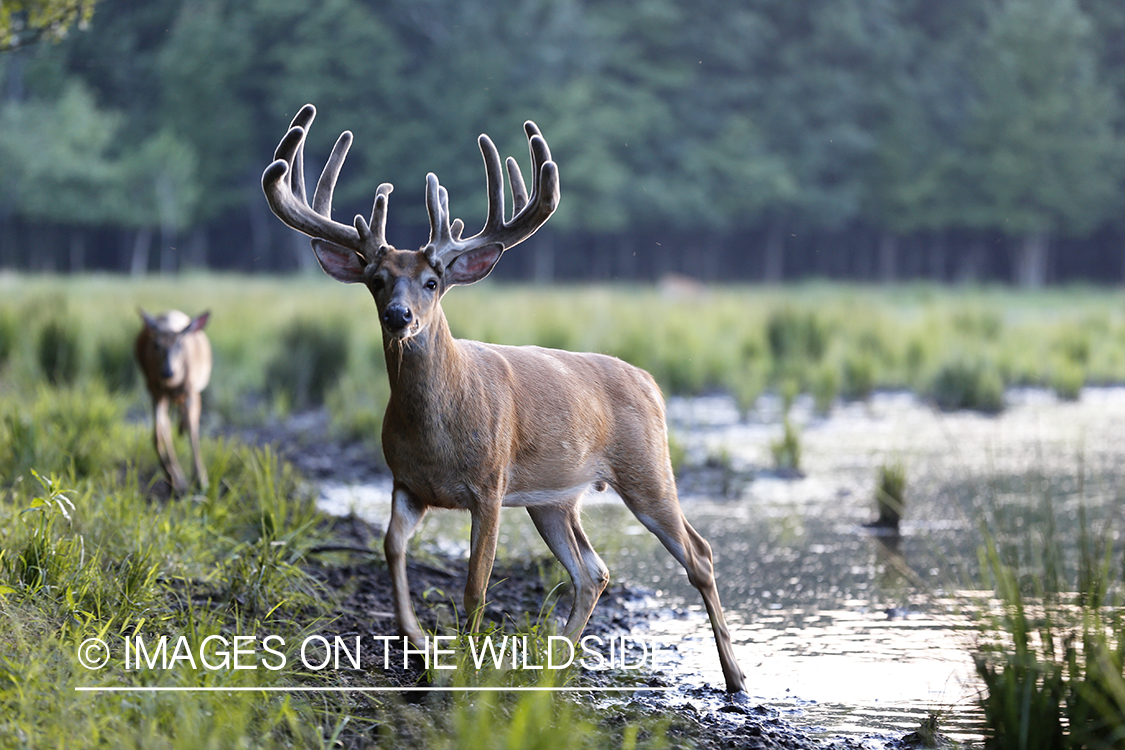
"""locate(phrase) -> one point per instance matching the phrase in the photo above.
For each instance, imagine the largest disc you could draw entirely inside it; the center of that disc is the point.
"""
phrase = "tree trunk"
(888, 257)
(77, 251)
(167, 251)
(626, 258)
(1032, 260)
(42, 242)
(937, 256)
(543, 268)
(261, 226)
(773, 270)
(971, 266)
(196, 255)
(711, 262)
(142, 242)
(303, 252)
(166, 207)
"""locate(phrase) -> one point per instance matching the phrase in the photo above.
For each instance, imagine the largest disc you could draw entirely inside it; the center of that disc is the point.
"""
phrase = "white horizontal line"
(298, 689)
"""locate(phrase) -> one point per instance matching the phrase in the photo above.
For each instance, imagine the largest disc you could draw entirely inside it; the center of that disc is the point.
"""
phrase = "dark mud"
(352, 567)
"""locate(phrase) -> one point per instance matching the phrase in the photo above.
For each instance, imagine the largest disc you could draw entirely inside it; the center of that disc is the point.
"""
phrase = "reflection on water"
(836, 626)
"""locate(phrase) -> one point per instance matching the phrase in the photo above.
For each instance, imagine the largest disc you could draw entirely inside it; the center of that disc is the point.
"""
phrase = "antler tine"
(440, 231)
(326, 185)
(529, 212)
(379, 212)
(284, 185)
(494, 181)
(296, 158)
(297, 174)
(519, 190)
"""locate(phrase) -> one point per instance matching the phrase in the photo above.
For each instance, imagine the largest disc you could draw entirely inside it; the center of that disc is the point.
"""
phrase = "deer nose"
(396, 317)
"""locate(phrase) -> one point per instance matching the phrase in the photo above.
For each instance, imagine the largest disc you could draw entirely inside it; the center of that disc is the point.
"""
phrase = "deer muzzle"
(397, 317)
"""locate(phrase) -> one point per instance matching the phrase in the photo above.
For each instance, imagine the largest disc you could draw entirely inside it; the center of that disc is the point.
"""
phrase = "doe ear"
(474, 265)
(198, 322)
(338, 262)
(149, 321)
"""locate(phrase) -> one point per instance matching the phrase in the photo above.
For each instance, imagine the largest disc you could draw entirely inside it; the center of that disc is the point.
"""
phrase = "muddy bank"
(703, 716)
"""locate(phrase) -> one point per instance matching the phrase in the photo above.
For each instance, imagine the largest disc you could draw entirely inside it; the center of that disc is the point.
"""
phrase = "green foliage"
(116, 364)
(1051, 659)
(309, 361)
(8, 329)
(96, 556)
(62, 165)
(58, 352)
(72, 432)
(825, 388)
(964, 383)
(858, 376)
(1043, 151)
(356, 406)
(787, 449)
(795, 336)
(289, 339)
(975, 118)
(890, 494)
(1067, 379)
(677, 452)
(45, 558)
(25, 22)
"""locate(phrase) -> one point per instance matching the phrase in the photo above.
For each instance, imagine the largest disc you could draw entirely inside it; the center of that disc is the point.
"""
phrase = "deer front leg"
(482, 553)
(192, 409)
(165, 449)
(406, 512)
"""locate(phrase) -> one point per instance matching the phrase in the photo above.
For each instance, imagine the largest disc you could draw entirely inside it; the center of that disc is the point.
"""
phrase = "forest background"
(765, 140)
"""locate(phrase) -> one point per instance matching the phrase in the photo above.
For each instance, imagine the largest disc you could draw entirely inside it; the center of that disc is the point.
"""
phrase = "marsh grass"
(964, 383)
(890, 494)
(786, 449)
(296, 342)
(58, 351)
(88, 552)
(310, 359)
(1052, 650)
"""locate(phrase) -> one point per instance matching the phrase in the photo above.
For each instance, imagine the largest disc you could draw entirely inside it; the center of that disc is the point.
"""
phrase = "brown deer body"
(175, 356)
(479, 426)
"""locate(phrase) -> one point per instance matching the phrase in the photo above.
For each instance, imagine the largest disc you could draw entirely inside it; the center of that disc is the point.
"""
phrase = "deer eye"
(377, 283)
(431, 284)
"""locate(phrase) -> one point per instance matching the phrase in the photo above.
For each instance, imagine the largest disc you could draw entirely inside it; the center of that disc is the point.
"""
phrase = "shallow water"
(838, 628)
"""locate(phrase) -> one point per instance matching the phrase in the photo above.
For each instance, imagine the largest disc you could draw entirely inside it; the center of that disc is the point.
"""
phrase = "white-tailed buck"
(478, 426)
(175, 357)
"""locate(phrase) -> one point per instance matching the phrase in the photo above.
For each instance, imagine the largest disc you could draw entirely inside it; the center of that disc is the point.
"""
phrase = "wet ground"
(844, 633)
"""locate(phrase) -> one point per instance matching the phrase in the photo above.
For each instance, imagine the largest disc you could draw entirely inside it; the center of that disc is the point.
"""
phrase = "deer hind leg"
(406, 513)
(561, 529)
(165, 448)
(691, 550)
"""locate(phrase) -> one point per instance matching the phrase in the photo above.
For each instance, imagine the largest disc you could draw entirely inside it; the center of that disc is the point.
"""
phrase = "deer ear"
(198, 322)
(148, 319)
(473, 265)
(338, 262)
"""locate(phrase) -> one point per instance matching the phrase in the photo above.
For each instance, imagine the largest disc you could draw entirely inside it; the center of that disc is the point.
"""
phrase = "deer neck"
(426, 368)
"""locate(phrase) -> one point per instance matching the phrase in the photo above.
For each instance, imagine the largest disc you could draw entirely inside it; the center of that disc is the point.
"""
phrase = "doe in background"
(175, 357)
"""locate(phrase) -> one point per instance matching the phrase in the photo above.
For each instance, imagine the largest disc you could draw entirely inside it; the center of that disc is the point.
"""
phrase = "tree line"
(975, 140)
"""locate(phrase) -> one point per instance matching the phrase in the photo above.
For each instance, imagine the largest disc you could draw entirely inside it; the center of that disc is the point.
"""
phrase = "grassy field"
(959, 347)
(89, 550)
